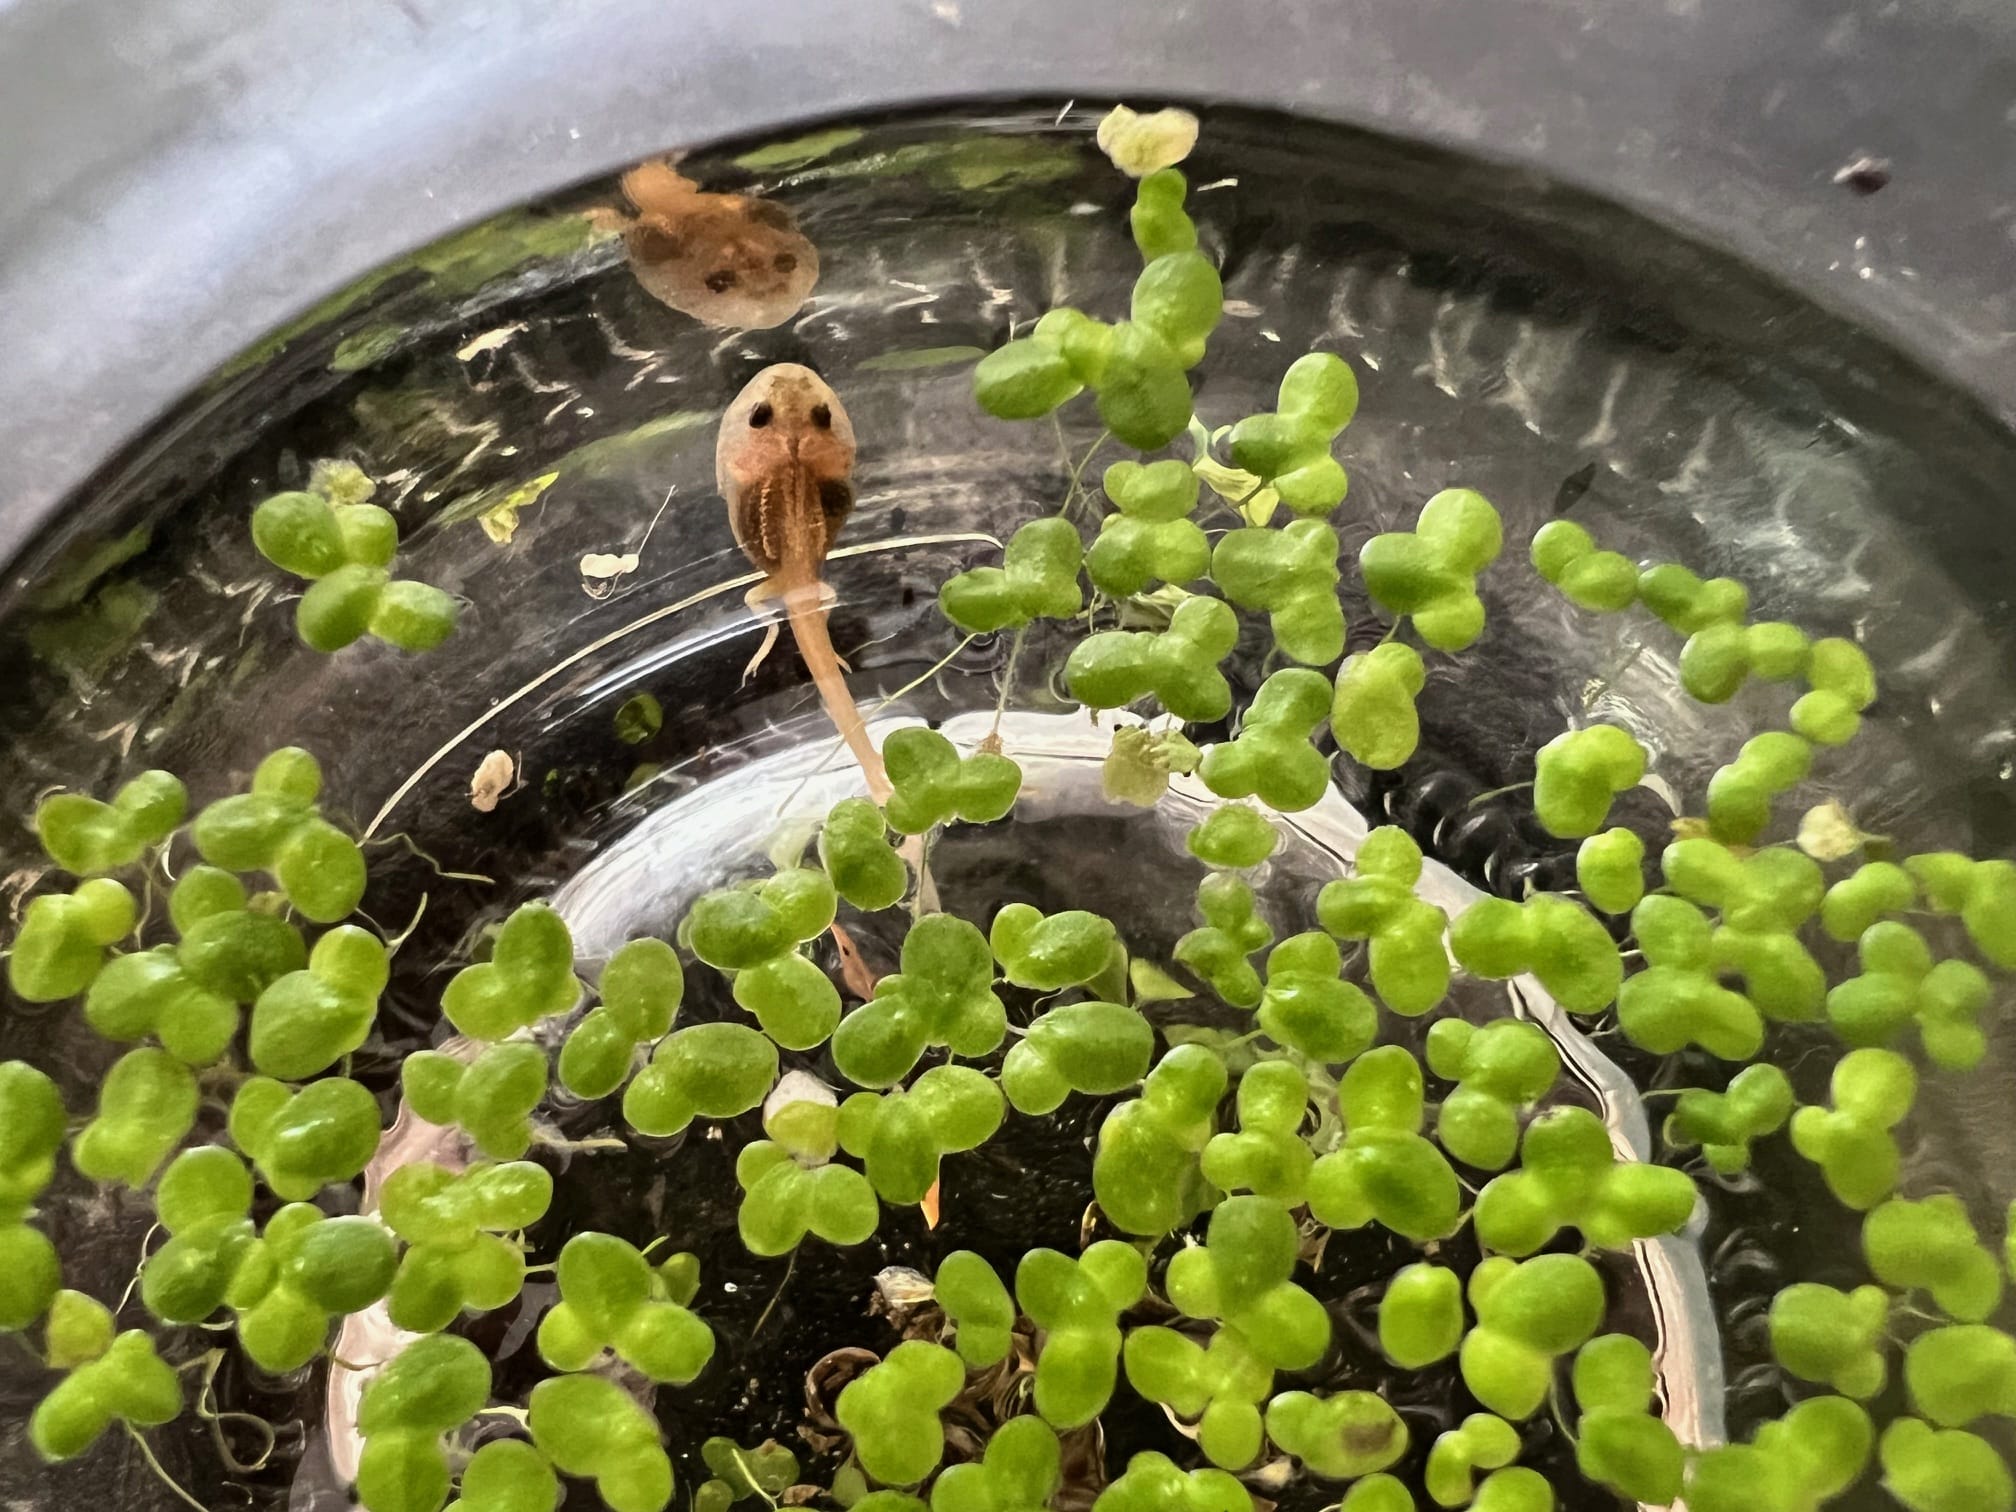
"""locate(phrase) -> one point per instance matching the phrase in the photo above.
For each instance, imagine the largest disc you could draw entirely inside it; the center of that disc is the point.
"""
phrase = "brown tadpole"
(732, 260)
(784, 462)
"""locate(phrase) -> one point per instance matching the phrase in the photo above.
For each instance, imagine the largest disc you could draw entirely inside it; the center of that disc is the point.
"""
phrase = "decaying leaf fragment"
(492, 781)
(1137, 768)
(500, 520)
(608, 564)
(1829, 833)
(341, 482)
(600, 570)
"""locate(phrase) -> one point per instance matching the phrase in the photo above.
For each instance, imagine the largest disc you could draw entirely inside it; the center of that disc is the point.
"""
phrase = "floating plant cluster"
(1219, 1175)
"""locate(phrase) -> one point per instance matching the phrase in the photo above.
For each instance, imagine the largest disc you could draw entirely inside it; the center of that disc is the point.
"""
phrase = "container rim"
(179, 180)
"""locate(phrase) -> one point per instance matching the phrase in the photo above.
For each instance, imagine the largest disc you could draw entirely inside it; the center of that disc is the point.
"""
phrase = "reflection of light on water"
(723, 830)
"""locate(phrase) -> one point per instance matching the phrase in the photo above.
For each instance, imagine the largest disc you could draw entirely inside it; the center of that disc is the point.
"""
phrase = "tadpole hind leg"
(770, 632)
(758, 601)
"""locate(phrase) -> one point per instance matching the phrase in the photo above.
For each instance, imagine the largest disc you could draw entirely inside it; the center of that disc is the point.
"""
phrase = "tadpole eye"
(721, 280)
(822, 417)
(760, 416)
(785, 262)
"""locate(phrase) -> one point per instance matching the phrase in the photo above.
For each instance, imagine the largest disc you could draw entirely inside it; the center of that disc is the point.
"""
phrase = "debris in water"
(492, 781)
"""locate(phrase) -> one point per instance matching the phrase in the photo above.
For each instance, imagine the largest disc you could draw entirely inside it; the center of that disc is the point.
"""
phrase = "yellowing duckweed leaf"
(1152, 984)
(1178, 750)
(500, 519)
(341, 482)
(1828, 833)
(1137, 768)
(1152, 611)
(1143, 144)
(1236, 486)
(1133, 772)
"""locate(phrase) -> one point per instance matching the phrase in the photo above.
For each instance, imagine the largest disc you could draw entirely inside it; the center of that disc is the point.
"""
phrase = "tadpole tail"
(807, 614)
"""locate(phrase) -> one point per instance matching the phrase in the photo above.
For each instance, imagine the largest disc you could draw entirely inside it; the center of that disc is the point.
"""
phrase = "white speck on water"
(730, 1287)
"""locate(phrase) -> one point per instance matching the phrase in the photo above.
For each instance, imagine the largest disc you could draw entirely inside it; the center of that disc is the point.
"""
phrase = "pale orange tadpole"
(784, 461)
(731, 260)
